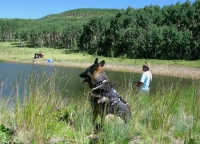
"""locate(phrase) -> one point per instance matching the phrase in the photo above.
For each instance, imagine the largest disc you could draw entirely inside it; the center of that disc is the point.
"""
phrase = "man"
(145, 80)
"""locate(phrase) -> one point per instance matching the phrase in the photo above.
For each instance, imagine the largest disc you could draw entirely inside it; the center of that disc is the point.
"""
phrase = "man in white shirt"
(145, 80)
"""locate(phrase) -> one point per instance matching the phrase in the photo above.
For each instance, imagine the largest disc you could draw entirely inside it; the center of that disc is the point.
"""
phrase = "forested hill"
(152, 32)
(84, 12)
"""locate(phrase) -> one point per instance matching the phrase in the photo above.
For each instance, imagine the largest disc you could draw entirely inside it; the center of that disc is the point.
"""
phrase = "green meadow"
(16, 52)
(43, 115)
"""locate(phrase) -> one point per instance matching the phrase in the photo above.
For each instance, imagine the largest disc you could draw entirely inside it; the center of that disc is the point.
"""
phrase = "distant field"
(11, 52)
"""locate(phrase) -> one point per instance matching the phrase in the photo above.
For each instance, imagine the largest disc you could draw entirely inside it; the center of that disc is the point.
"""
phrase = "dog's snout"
(81, 75)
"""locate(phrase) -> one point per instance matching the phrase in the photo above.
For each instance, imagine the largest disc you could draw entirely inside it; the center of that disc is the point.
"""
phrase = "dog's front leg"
(95, 113)
(94, 105)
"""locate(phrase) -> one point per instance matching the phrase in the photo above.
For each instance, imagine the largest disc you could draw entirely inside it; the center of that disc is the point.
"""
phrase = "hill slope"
(84, 12)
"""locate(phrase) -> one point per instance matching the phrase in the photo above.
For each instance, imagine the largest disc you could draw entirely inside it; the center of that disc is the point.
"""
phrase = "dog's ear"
(102, 63)
(96, 61)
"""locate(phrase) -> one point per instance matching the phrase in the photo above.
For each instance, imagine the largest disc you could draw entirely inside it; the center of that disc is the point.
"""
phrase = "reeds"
(169, 115)
(41, 114)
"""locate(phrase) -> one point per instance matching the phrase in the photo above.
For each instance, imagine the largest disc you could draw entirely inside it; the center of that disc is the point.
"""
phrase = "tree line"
(152, 32)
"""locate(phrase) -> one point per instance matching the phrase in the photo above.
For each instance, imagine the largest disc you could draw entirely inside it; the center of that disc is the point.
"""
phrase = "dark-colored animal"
(38, 56)
(103, 97)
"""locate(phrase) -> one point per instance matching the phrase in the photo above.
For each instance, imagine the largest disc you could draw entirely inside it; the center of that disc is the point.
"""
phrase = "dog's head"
(91, 72)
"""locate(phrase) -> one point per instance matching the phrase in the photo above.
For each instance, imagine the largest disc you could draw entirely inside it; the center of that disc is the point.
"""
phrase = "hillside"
(84, 13)
(152, 32)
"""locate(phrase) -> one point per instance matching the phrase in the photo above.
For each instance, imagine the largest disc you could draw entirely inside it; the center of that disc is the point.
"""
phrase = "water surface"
(70, 82)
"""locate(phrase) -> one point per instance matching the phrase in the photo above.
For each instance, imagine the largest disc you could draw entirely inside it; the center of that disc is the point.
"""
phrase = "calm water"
(12, 72)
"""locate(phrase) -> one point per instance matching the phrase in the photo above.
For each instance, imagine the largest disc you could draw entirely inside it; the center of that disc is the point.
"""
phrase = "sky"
(34, 9)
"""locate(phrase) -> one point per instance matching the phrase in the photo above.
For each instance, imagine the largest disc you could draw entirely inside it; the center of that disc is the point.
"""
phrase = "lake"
(69, 81)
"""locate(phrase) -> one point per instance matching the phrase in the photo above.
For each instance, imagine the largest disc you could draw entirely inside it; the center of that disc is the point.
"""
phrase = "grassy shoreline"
(179, 68)
(171, 115)
(44, 116)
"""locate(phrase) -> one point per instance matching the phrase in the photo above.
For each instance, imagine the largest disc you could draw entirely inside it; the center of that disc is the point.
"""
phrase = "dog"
(105, 100)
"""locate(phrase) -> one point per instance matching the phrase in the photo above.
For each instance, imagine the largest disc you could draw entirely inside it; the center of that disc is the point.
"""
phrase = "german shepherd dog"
(103, 97)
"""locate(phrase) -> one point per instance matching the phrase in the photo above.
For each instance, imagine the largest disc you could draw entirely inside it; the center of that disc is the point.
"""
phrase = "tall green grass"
(36, 111)
(43, 115)
(169, 115)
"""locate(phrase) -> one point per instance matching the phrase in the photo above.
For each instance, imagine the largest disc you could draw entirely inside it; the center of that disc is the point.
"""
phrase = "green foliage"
(5, 134)
(40, 111)
(66, 115)
(83, 13)
(151, 32)
(114, 132)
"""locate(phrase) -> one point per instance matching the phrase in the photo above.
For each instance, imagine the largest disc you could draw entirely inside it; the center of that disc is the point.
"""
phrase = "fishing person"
(145, 80)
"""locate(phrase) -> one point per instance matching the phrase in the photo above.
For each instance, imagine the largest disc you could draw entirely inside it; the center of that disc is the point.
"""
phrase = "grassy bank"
(18, 53)
(42, 115)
